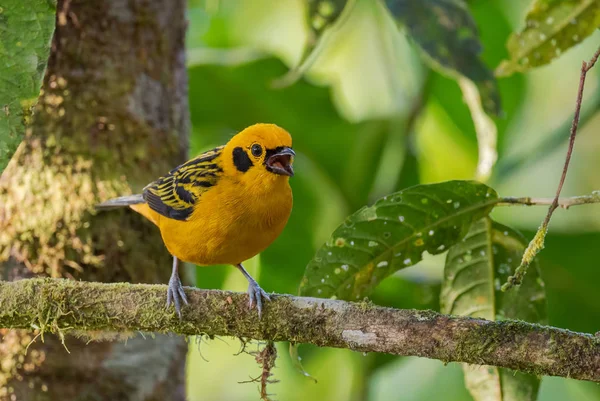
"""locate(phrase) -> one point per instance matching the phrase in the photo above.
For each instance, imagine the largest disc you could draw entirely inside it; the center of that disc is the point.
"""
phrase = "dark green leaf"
(25, 31)
(447, 33)
(475, 269)
(379, 240)
(551, 28)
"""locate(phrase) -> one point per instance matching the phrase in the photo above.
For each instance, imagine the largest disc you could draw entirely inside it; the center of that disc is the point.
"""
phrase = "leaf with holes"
(475, 269)
(551, 28)
(446, 32)
(26, 28)
(379, 240)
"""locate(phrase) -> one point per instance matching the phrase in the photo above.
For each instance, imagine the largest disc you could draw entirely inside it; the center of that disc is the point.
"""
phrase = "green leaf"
(446, 32)
(379, 240)
(25, 31)
(551, 28)
(474, 271)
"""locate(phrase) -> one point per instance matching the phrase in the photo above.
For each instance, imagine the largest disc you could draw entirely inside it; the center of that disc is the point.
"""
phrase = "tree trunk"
(112, 116)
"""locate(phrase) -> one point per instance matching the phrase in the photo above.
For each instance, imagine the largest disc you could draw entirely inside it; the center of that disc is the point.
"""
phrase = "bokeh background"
(370, 118)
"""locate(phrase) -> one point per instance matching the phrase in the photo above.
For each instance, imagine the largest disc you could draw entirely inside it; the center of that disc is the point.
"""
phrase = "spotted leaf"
(475, 270)
(551, 28)
(379, 240)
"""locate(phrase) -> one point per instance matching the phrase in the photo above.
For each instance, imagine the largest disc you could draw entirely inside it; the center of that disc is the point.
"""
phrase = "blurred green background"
(369, 118)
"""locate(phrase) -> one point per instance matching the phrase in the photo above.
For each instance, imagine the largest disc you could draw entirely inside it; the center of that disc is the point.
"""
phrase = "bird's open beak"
(281, 161)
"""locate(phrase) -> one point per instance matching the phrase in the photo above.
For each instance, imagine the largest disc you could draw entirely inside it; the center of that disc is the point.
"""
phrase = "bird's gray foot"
(256, 295)
(175, 293)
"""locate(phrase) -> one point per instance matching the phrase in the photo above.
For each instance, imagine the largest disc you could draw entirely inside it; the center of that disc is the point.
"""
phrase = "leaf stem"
(537, 243)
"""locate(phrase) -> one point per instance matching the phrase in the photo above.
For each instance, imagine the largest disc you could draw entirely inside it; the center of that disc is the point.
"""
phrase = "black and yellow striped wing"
(175, 194)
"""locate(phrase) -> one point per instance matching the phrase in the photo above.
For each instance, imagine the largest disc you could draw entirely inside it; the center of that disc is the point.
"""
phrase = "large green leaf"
(475, 269)
(379, 240)
(446, 32)
(25, 31)
(551, 28)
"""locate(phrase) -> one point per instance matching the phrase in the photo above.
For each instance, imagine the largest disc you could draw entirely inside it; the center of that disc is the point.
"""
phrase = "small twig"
(564, 203)
(537, 243)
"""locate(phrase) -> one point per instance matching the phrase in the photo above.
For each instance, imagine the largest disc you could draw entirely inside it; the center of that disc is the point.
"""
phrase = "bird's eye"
(256, 150)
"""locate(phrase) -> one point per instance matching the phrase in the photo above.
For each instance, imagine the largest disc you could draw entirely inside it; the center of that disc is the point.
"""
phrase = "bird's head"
(261, 152)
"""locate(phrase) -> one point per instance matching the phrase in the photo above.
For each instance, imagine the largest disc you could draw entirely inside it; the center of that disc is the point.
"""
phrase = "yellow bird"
(222, 207)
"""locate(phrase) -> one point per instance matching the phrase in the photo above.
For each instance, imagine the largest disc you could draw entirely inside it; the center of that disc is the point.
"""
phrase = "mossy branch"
(60, 306)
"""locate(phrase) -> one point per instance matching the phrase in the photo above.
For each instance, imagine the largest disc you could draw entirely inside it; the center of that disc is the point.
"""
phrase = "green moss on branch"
(58, 305)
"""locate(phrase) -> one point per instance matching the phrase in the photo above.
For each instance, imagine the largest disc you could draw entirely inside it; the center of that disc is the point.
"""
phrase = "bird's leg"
(175, 293)
(255, 293)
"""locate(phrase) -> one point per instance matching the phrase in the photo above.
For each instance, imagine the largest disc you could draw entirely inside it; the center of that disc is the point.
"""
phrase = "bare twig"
(537, 243)
(564, 203)
(59, 305)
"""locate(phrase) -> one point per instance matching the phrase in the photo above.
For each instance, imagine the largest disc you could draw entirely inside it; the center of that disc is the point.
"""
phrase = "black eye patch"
(241, 160)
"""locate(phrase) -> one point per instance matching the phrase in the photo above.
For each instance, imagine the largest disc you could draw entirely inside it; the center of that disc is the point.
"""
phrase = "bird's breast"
(229, 225)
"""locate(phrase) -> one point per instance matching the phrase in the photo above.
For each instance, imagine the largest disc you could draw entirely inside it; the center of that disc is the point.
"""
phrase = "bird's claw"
(256, 295)
(175, 294)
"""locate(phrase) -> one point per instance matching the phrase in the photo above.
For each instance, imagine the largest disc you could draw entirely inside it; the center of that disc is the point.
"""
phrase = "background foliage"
(369, 116)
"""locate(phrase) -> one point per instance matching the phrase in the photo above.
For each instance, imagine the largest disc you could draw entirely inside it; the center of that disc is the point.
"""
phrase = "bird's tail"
(121, 201)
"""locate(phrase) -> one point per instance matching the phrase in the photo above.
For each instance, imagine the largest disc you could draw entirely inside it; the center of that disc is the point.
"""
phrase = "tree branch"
(58, 305)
